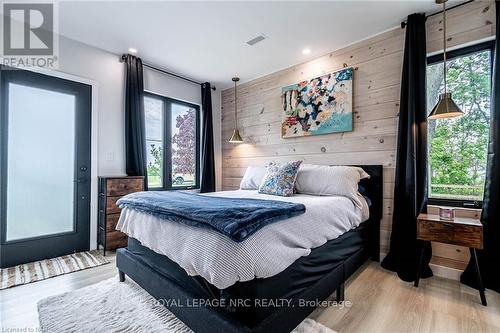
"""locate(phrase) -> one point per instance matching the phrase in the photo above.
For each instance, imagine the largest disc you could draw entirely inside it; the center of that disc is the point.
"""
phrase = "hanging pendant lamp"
(236, 137)
(445, 107)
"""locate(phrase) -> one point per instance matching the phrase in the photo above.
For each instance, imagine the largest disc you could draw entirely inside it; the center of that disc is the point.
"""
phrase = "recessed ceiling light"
(132, 50)
(306, 51)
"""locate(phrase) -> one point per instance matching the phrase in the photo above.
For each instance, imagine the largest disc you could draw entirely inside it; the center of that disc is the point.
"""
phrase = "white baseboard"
(446, 272)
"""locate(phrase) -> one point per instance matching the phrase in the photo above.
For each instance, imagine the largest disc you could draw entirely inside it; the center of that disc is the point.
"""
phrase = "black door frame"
(36, 248)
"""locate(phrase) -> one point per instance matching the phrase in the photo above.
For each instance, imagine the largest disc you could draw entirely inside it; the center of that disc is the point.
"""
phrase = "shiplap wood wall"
(377, 62)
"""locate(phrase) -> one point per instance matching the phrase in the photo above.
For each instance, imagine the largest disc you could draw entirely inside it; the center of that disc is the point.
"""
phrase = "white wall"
(105, 68)
(107, 74)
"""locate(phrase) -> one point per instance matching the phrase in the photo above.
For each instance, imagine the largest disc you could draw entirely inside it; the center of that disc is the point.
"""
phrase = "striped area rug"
(44, 269)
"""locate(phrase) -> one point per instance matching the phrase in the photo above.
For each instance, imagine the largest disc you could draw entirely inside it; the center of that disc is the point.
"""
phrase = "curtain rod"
(158, 69)
(403, 23)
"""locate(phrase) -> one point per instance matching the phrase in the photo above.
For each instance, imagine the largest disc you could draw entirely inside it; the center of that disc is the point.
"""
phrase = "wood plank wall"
(377, 62)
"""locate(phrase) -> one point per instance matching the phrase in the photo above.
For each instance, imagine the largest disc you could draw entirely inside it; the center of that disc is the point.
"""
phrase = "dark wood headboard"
(374, 191)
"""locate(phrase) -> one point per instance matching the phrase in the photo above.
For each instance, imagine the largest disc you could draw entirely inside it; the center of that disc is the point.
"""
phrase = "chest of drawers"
(110, 190)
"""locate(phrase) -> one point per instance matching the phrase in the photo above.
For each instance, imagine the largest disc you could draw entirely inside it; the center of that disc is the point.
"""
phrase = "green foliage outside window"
(154, 166)
(458, 146)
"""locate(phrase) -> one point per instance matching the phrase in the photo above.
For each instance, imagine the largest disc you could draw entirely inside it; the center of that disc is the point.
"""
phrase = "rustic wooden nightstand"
(459, 231)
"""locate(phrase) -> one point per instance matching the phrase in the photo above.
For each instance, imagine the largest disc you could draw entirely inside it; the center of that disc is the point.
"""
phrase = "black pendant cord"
(403, 23)
(158, 69)
(235, 106)
(444, 50)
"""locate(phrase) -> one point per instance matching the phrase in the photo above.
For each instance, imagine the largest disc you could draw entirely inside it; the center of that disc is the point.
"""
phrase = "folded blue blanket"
(233, 217)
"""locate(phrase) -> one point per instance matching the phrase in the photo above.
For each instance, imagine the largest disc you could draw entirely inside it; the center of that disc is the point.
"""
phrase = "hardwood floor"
(380, 303)
(18, 308)
(383, 303)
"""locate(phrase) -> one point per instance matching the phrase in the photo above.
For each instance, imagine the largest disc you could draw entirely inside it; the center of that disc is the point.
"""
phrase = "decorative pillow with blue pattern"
(280, 179)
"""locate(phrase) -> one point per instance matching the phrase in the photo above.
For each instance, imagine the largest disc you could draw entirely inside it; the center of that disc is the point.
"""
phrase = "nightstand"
(459, 231)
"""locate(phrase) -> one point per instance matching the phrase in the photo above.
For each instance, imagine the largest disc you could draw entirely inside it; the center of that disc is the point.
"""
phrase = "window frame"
(450, 55)
(167, 143)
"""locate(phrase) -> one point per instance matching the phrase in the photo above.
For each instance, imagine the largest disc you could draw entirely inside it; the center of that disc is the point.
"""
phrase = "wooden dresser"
(110, 190)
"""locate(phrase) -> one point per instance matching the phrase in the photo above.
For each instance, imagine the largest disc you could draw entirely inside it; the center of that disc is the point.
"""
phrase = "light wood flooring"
(18, 309)
(380, 303)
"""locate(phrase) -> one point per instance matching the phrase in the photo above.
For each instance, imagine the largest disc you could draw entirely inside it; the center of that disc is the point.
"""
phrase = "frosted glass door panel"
(40, 163)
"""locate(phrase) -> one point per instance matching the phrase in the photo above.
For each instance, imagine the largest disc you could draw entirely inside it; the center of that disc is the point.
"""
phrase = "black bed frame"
(213, 319)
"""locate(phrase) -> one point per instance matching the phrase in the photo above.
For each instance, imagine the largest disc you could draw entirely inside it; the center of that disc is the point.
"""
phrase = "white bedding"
(268, 252)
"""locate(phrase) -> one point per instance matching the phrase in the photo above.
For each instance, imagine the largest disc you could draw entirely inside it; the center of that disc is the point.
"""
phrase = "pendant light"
(236, 137)
(445, 107)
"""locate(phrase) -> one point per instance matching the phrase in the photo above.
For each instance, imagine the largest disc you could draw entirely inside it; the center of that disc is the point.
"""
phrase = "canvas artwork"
(321, 105)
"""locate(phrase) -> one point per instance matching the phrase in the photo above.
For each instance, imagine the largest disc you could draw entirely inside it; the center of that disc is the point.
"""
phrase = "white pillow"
(252, 178)
(330, 180)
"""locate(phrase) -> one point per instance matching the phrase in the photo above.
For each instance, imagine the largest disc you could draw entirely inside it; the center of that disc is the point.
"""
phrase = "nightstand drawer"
(469, 236)
(450, 233)
(435, 231)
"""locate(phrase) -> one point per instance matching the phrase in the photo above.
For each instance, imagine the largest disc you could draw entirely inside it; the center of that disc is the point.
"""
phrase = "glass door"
(45, 166)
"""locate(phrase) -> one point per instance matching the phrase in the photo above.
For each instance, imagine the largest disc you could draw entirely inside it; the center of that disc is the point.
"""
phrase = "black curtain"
(207, 150)
(410, 192)
(135, 136)
(489, 257)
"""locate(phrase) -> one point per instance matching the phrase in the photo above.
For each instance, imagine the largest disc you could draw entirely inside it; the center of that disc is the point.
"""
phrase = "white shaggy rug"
(112, 306)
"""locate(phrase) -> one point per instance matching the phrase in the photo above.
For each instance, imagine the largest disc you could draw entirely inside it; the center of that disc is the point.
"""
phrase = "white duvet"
(269, 251)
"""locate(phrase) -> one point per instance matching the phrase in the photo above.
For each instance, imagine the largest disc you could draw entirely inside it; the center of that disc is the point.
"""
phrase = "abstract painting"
(321, 105)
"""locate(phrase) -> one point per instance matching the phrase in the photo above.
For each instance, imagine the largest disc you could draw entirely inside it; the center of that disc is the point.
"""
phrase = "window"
(172, 142)
(458, 146)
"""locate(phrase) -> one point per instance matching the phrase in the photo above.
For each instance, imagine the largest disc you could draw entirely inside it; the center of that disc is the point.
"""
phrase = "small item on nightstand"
(446, 213)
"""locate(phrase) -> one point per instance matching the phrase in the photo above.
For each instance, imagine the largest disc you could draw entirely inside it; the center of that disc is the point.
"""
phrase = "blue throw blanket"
(233, 217)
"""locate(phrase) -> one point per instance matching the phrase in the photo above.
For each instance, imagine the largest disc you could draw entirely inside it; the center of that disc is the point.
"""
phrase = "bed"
(208, 304)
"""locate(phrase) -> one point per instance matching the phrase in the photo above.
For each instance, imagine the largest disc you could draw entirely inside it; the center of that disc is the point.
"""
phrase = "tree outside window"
(172, 143)
(458, 146)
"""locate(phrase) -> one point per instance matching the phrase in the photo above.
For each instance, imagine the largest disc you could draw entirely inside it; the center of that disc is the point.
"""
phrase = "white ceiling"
(207, 40)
